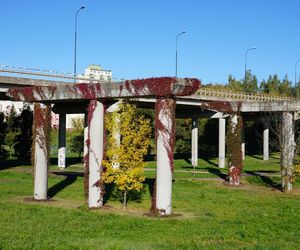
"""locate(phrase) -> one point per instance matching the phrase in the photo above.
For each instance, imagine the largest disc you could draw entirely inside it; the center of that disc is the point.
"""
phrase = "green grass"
(209, 215)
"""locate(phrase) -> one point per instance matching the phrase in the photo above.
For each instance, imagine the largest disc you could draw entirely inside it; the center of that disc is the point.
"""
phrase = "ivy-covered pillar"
(222, 134)
(40, 149)
(194, 142)
(165, 133)
(234, 149)
(62, 141)
(95, 153)
(287, 151)
(266, 144)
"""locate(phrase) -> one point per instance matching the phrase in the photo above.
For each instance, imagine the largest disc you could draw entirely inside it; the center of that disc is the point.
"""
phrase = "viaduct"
(191, 102)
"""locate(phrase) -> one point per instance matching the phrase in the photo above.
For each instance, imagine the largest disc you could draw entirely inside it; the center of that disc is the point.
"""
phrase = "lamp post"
(179, 34)
(296, 71)
(75, 47)
(253, 48)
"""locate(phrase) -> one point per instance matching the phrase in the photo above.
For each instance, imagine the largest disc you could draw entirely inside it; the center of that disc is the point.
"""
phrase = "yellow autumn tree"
(128, 139)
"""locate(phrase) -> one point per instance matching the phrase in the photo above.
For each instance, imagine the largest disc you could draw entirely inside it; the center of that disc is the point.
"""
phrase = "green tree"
(77, 143)
(125, 154)
(23, 140)
(10, 140)
(275, 86)
(285, 88)
(77, 138)
(234, 84)
(250, 83)
(183, 135)
(3, 125)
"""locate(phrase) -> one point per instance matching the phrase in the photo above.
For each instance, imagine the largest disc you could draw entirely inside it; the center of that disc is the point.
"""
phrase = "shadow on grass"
(267, 180)
(177, 156)
(256, 157)
(6, 164)
(112, 193)
(217, 172)
(207, 159)
(70, 179)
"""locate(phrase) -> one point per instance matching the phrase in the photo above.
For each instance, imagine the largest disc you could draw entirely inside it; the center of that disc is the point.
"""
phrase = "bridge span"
(68, 97)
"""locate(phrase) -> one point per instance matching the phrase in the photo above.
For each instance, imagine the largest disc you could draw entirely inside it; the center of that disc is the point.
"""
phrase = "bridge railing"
(45, 73)
(241, 95)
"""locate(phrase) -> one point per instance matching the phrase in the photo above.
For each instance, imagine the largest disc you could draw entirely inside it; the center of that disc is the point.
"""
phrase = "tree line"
(272, 86)
(16, 133)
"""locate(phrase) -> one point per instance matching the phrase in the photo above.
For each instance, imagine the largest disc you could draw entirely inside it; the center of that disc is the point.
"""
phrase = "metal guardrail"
(46, 73)
(241, 95)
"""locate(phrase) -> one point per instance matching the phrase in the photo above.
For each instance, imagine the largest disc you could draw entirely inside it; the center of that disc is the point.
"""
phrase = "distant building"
(92, 72)
(95, 72)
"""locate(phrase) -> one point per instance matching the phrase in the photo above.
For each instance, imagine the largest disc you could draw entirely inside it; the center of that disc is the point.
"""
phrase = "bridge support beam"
(287, 152)
(165, 118)
(95, 152)
(62, 141)
(222, 134)
(194, 142)
(266, 144)
(41, 147)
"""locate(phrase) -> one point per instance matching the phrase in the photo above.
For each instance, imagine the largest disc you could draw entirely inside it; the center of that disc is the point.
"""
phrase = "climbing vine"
(234, 142)
(33, 93)
(162, 86)
(218, 106)
(233, 137)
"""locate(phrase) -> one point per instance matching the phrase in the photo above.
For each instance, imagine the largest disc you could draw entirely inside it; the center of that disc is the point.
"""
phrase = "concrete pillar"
(222, 136)
(287, 152)
(115, 129)
(96, 135)
(266, 144)
(85, 138)
(195, 142)
(164, 155)
(117, 136)
(62, 141)
(243, 142)
(40, 152)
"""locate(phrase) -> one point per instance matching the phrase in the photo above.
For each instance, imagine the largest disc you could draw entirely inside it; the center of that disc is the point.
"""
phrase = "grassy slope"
(212, 215)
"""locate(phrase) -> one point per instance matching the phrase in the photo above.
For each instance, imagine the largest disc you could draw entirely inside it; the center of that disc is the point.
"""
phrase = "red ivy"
(161, 86)
(218, 106)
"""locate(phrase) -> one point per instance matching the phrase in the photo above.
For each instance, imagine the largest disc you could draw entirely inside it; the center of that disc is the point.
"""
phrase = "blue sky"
(136, 38)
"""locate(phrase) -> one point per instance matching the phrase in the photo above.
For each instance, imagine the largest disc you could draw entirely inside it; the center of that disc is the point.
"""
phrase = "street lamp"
(179, 34)
(75, 49)
(296, 71)
(253, 48)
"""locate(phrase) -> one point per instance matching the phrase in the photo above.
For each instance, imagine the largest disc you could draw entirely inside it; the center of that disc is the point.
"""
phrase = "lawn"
(207, 213)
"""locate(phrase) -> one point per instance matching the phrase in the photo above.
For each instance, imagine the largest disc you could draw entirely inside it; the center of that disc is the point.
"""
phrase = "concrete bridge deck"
(203, 99)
